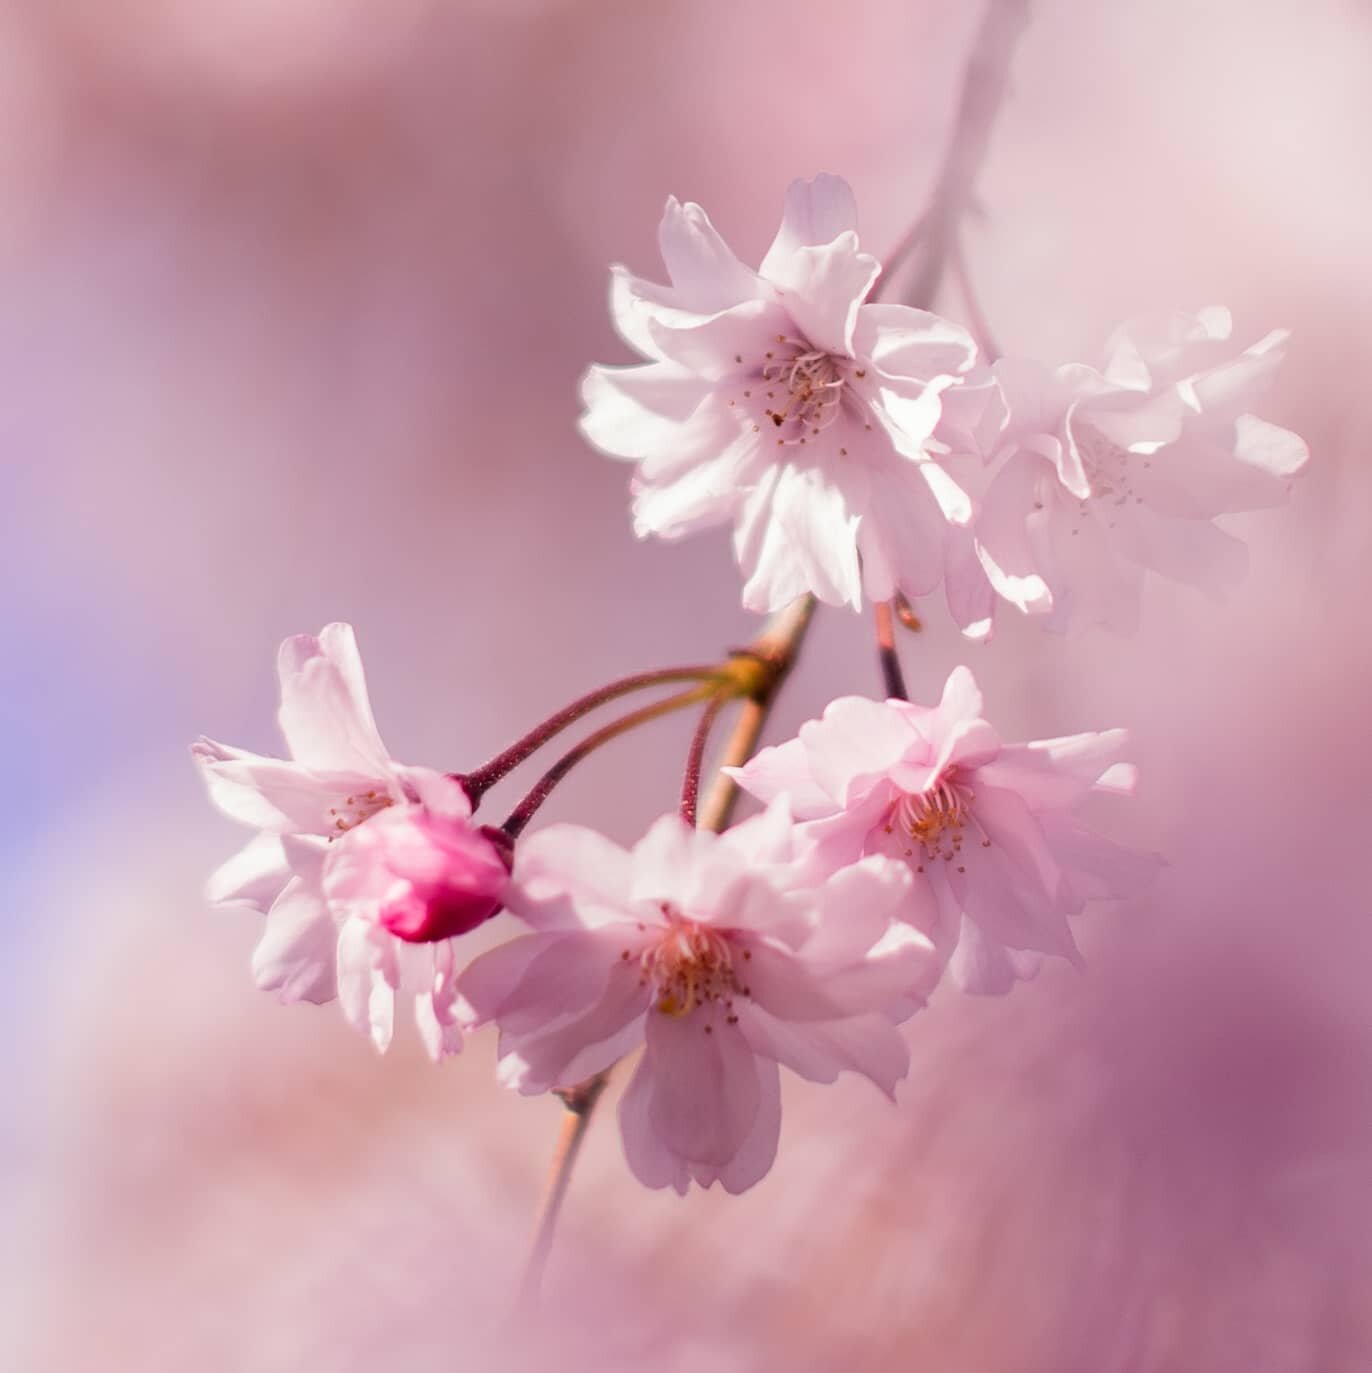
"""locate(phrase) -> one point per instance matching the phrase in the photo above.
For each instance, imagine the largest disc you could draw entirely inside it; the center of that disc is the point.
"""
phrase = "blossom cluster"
(867, 448)
(859, 449)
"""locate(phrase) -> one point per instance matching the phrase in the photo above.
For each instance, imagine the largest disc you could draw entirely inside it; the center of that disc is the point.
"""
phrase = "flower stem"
(539, 793)
(774, 651)
(891, 674)
(576, 1119)
(983, 92)
(690, 783)
(481, 779)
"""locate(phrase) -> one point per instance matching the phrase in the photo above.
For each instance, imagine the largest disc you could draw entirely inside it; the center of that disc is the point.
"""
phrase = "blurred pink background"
(296, 293)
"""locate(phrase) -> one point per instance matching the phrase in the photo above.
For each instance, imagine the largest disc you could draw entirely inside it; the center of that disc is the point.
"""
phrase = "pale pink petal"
(296, 954)
(981, 967)
(705, 1091)
(570, 1050)
(784, 771)
(325, 714)
(1099, 866)
(1004, 545)
(902, 533)
(1191, 551)
(1268, 448)
(1015, 836)
(253, 877)
(488, 980)
(647, 1154)
(1235, 385)
(711, 346)
(569, 877)
(856, 743)
(904, 342)
(819, 1050)
(1010, 910)
(703, 268)
(566, 976)
(639, 412)
(368, 974)
(270, 793)
(823, 288)
(758, 1151)
(1055, 773)
(1153, 349)
(436, 1008)
(635, 304)
(796, 534)
(816, 211)
(970, 595)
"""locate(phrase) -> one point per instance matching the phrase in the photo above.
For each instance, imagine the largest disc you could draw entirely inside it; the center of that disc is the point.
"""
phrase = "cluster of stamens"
(689, 966)
(355, 809)
(1106, 466)
(804, 388)
(934, 821)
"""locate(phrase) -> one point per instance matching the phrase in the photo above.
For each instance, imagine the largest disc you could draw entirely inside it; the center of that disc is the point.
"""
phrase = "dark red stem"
(481, 779)
(690, 783)
(539, 793)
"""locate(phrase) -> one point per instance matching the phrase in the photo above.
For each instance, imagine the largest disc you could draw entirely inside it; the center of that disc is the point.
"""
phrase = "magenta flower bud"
(424, 876)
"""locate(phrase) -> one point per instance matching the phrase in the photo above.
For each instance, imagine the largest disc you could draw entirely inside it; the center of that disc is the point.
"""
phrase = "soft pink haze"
(297, 299)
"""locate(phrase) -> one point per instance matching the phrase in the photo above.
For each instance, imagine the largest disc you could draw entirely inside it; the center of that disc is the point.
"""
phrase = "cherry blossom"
(1084, 479)
(780, 402)
(341, 818)
(997, 855)
(693, 945)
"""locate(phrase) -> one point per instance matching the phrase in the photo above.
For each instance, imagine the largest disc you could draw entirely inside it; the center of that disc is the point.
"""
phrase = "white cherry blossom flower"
(779, 401)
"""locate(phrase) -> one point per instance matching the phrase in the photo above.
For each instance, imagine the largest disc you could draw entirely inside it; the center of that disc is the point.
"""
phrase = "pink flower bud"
(420, 875)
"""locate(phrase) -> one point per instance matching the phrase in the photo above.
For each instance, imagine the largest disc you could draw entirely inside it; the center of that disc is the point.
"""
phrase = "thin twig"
(777, 645)
(576, 1119)
(983, 92)
(981, 327)
(891, 675)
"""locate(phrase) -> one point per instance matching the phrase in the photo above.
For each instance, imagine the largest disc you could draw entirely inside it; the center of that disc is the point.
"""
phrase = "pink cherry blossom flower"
(692, 945)
(998, 858)
(1089, 479)
(310, 811)
(780, 402)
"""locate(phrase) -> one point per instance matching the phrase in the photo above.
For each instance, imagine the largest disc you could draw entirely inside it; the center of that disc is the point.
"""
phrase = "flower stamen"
(690, 966)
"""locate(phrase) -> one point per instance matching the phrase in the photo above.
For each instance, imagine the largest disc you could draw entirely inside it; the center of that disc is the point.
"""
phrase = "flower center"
(690, 966)
(935, 821)
(353, 810)
(803, 389)
(1108, 469)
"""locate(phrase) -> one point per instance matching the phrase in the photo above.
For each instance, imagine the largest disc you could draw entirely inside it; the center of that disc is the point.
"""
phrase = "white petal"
(253, 877)
(297, 952)
(325, 714)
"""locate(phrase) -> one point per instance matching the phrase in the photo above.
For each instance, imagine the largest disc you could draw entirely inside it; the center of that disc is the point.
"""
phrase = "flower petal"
(705, 1090)
(325, 714)
(296, 955)
(368, 974)
(254, 876)
(703, 269)
(819, 1050)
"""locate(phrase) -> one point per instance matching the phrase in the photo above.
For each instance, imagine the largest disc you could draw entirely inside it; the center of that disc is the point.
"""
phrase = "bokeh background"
(293, 299)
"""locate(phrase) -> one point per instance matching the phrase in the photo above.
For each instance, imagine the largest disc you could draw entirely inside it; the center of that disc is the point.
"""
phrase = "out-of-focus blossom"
(997, 857)
(311, 809)
(692, 945)
(1091, 478)
(776, 400)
